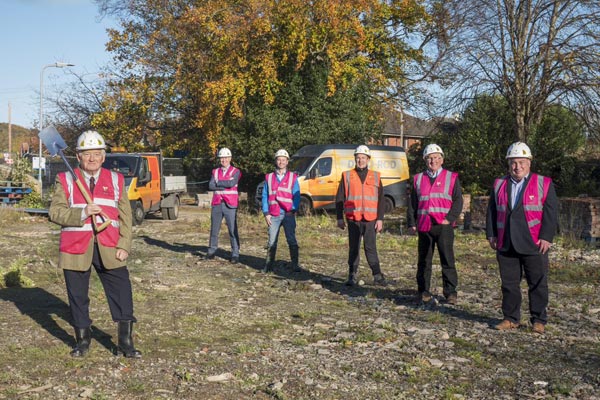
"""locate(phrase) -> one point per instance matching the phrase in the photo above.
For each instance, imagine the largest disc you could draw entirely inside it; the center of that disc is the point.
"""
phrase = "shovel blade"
(52, 140)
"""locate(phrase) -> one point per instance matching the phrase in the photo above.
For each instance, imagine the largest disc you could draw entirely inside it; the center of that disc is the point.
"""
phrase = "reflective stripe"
(361, 198)
(435, 198)
(532, 200)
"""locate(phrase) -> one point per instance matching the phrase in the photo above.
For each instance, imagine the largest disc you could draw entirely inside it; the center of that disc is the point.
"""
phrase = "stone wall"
(578, 217)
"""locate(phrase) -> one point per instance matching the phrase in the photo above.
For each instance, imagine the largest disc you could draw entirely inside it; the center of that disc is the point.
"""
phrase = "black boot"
(125, 346)
(294, 255)
(352, 276)
(83, 337)
(270, 259)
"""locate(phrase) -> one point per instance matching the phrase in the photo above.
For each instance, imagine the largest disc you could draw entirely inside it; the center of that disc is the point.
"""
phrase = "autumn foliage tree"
(200, 73)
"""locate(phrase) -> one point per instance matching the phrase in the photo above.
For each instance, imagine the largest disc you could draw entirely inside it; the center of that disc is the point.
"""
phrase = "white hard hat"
(431, 149)
(90, 140)
(362, 149)
(282, 153)
(224, 152)
(519, 150)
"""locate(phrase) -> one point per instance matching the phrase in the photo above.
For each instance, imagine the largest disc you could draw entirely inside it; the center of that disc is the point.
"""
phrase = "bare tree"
(531, 52)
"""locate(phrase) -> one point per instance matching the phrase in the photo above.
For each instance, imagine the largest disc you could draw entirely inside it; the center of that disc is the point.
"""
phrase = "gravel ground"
(213, 330)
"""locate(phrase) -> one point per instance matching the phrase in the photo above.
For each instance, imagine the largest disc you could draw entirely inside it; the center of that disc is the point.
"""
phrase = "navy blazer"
(517, 232)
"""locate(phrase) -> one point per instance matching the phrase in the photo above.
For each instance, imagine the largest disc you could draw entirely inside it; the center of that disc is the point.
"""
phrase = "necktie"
(92, 184)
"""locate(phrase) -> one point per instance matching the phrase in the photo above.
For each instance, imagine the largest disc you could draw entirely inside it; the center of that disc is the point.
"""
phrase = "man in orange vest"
(224, 185)
(82, 245)
(521, 223)
(360, 200)
(435, 204)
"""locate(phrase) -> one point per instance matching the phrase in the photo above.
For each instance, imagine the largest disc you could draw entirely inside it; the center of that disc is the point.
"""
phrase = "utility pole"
(9, 132)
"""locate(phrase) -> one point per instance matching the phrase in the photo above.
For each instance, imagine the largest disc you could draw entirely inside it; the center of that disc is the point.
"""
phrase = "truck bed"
(174, 184)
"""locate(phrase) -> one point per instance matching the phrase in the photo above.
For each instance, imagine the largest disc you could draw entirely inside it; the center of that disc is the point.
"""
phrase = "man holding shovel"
(92, 208)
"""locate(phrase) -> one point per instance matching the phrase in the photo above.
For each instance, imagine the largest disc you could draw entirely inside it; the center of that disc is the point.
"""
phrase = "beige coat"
(61, 214)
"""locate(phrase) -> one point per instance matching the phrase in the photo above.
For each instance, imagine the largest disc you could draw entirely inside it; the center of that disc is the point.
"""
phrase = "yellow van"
(320, 168)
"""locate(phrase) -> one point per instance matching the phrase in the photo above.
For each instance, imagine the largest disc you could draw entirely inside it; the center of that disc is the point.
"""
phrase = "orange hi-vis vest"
(230, 195)
(107, 192)
(361, 198)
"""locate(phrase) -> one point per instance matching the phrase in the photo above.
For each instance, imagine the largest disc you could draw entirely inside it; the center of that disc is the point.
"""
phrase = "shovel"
(55, 145)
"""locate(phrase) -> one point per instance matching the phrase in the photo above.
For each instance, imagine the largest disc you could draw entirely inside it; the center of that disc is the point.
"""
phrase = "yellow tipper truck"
(320, 168)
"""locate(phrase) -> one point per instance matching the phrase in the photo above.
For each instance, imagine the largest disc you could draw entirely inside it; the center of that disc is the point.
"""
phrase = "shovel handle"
(88, 199)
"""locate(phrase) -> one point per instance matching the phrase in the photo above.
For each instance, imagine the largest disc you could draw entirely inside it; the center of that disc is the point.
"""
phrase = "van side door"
(323, 183)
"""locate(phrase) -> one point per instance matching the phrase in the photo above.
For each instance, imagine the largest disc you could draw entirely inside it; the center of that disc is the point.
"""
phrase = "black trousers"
(117, 288)
(441, 236)
(366, 231)
(535, 267)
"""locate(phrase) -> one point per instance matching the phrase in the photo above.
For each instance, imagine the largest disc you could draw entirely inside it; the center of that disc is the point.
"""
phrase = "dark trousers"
(117, 288)
(441, 236)
(365, 230)
(217, 214)
(535, 267)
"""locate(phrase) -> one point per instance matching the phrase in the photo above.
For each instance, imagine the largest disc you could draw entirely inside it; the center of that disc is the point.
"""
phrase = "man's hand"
(493, 243)
(445, 222)
(268, 219)
(412, 230)
(92, 209)
(341, 224)
(122, 254)
(378, 226)
(544, 246)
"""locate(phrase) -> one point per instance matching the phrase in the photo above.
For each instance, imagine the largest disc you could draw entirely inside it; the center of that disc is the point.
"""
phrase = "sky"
(36, 33)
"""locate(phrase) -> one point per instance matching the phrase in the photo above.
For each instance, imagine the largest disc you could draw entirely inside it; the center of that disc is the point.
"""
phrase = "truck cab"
(147, 189)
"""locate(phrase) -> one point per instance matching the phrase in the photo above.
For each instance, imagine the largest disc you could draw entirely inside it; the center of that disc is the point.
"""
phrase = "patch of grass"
(461, 343)
(378, 376)
(299, 341)
(561, 388)
(478, 359)
(244, 348)
(135, 386)
(13, 277)
(505, 383)
(437, 318)
(455, 392)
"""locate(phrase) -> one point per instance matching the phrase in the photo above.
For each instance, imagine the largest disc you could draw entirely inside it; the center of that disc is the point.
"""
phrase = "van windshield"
(127, 165)
(300, 164)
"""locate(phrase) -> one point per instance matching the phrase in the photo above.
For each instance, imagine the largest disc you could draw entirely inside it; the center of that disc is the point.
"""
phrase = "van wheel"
(388, 205)
(305, 206)
(171, 212)
(138, 213)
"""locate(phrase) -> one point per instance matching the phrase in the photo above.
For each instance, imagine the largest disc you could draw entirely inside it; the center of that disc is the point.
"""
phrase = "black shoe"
(83, 336)
(125, 340)
(234, 260)
(379, 280)
(425, 297)
(452, 299)
(208, 257)
(352, 281)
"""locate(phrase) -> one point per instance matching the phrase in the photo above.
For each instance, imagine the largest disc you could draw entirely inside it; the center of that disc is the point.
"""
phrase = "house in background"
(401, 129)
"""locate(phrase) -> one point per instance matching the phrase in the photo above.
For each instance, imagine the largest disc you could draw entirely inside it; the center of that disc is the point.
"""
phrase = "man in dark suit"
(521, 222)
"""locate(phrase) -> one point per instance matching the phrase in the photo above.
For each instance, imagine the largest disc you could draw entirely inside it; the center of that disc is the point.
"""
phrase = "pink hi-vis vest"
(435, 201)
(533, 198)
(230, 195)
(107, 191)
(280, 193)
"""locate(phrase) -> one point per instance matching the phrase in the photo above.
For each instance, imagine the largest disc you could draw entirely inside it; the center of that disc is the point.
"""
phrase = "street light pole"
(55, 65)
